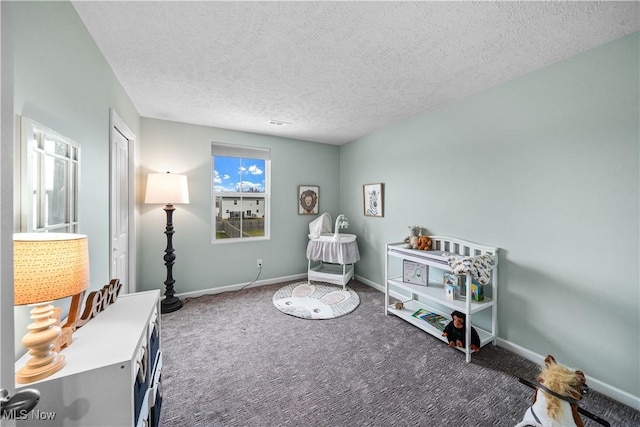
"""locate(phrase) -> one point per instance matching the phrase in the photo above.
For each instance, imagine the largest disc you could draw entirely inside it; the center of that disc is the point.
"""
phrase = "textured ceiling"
(334, 70)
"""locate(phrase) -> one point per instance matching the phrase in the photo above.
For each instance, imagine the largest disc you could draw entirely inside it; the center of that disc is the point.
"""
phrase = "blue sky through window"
(235, 174)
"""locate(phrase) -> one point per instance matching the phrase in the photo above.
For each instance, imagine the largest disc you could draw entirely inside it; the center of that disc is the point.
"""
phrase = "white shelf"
(435, 293)
(412, 306)
(337, 274)
(432, 297)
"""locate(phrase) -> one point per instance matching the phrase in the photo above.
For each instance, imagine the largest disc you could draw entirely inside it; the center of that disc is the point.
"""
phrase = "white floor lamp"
(168, 189)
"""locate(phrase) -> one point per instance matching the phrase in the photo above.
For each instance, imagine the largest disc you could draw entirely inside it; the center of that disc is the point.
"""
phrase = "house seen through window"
(241, 191)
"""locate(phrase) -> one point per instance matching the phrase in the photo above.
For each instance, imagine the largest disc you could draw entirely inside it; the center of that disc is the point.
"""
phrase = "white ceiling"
(335, 71)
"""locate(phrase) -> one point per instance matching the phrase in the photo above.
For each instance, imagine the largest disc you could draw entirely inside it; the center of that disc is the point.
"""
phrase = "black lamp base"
(170, 304)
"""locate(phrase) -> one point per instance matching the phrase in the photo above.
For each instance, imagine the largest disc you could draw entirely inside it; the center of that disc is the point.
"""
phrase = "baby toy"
(417, 240)
(555, 402)
(424, 243)
(455, 332)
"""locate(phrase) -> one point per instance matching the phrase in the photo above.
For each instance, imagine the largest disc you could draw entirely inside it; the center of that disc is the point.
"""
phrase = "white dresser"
(112, 376)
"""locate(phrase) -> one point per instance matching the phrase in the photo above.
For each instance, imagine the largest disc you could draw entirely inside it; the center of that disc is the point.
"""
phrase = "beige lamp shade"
(166, 188)
(49, 266)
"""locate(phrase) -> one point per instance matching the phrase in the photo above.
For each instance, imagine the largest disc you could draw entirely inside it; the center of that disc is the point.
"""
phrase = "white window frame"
(242, 152)
(35, 154)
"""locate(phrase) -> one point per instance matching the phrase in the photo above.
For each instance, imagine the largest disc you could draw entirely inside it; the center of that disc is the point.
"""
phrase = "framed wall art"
(414, 272)
(373, 199)
(308, 199)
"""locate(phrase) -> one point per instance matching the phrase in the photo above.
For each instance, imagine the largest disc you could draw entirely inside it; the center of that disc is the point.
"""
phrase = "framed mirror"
(50, 169)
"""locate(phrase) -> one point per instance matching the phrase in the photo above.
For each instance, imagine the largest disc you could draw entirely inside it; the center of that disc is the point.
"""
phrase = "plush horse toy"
(555, 402)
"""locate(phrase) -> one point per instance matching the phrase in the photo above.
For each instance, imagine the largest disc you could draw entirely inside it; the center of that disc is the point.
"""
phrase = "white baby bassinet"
(331, 256)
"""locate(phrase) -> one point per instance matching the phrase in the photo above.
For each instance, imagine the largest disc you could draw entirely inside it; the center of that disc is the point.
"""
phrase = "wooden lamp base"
(40, 341)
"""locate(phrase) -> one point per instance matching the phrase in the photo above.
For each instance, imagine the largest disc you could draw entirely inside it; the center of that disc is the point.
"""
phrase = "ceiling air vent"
(278, 122)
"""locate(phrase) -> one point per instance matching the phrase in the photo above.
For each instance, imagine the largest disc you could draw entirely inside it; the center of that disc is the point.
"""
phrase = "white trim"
(372, 284)
(597, 385)
(230, 150)
(7, 182)
(116, 122)
(221, 149)
(32, 137)
(239, 286)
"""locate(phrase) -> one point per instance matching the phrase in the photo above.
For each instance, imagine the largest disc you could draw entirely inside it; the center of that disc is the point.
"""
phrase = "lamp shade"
(166, 188)
(49, 266)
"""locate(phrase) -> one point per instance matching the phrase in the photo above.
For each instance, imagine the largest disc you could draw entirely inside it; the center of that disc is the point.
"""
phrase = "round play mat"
(316, 300)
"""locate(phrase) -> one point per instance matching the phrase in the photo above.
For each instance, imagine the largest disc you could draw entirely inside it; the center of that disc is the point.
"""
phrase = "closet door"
(121, 203)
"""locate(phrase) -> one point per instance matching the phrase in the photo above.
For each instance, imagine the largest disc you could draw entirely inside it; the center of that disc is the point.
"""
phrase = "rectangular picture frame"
(414, 272)
(373, 199)
(308, 199)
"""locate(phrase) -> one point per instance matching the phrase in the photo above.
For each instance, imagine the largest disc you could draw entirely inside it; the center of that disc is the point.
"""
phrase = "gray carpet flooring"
(233, 359)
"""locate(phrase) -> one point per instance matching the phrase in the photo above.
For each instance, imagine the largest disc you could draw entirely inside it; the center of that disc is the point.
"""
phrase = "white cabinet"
(431, 296)
(112, 375)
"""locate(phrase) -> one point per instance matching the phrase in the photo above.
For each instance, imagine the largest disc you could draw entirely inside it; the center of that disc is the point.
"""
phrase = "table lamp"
(47, 267)
(168, 188)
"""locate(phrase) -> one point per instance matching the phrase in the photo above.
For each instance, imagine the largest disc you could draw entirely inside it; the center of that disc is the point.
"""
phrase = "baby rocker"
(555, 402)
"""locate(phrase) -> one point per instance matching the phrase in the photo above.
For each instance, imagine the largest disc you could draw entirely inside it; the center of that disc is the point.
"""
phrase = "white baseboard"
(594, 383)
(370, 283)
(237, 287)
(597, 385)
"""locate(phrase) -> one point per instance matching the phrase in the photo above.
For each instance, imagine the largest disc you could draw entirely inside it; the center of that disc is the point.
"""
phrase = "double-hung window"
(241, 192)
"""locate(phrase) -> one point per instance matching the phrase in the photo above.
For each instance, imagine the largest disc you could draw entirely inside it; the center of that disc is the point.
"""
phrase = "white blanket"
(478, 266)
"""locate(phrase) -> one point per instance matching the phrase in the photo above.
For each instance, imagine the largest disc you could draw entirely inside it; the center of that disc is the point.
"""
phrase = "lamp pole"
(170, 302)
(168, 189)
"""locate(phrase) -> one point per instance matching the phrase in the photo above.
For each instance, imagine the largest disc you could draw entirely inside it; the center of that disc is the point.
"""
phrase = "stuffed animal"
(412, 240)
(556, 399)
(424, 243)
(455, 332)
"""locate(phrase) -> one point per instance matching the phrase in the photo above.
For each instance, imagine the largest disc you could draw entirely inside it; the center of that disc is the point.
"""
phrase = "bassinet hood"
(320, 225)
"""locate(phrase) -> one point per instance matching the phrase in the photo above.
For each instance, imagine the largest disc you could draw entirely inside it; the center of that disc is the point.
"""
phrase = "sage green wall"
(201, 265)
(62, 81)
(546, 167)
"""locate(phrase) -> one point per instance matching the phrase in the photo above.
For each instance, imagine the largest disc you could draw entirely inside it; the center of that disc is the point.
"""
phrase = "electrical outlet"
(259, 264)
